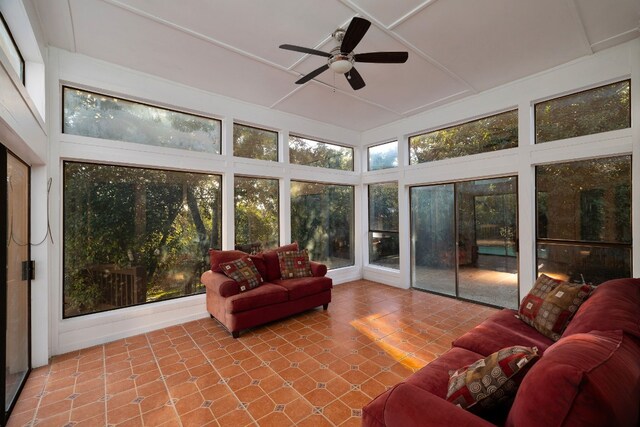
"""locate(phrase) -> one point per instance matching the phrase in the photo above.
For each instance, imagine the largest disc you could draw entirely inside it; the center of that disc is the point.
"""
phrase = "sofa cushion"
(217, 257)
(583, 380)
(304, 286)
(551, 304)
(434, 377)
(500, 330)
(491, 381)
(244, 272)
(267, 294)
(272, 266)
(613, 305)
(294, 264)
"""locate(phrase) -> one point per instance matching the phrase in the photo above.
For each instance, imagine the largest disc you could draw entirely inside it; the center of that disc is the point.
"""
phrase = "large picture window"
(107, 117)
(134, 235)
(303, 151)
(484, 135)
(602, 109)
(322, 219)
(384, 247)
(584, 219)
(255, 143)
(256, 213)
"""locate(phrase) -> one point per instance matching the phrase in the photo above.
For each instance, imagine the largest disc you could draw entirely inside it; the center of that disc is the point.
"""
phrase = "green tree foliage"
(255, 143)
(479, 136)
(307, 152)
(322, 219)
(101, 116)
(383, 156)
(597, 110)
(158, 223)
(256, 213)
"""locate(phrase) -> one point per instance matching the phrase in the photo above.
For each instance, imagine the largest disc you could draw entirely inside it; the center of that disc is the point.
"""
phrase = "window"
(134, 235)
(101, 116)
(596, 110)
(256, 214)
(584, 219)
(488, 134)
(10, 48)
(255, 143)
(383, 156)
(322, 218)
(384, 247)
(303, 151)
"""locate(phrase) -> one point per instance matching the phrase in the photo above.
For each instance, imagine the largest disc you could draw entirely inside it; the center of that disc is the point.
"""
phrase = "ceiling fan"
(341, 58)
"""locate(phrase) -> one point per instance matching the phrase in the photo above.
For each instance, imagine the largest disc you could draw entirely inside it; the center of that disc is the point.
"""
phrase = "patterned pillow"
(244, 272)
(294, 264)
(489, 382)
(551, 304)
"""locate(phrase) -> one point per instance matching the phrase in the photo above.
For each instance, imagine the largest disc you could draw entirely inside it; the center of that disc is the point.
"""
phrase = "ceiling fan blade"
(305, 50)
(355, 79)
(312, 74)
(382, 57)
(355, 32)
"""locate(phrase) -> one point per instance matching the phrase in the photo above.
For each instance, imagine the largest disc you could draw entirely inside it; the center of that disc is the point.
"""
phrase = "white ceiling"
(230, 47)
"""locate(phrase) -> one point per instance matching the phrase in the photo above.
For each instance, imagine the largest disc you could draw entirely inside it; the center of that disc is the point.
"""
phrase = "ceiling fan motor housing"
(340, 62)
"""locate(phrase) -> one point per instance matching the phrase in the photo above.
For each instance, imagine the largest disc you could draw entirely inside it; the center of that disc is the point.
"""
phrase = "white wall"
(611, 65)
(84, 72)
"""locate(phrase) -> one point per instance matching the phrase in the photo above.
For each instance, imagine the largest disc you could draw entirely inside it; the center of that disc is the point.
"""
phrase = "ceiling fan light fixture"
(341, 64)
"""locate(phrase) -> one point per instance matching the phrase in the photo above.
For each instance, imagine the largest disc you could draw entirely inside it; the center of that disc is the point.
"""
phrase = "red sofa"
(590, 377)
(274, 299)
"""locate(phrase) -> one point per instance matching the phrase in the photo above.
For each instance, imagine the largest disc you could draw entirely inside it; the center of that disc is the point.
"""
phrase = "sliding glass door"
(463, 240)
(15, 277)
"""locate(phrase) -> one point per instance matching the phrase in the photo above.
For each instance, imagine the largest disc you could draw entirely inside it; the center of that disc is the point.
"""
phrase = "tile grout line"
(104, 379)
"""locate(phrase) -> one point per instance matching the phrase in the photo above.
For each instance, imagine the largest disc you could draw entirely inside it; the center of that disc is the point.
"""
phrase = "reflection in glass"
(256, 214)
(10, 49)
(596, 110)
(255, 143)
(384, 246)
(107, 117)
(433, 238)
(134, 235)
(584, 219)
(17, 289)
(484, 135)
(322, 217)
(487, 251)
(303, 151)
(383, 156)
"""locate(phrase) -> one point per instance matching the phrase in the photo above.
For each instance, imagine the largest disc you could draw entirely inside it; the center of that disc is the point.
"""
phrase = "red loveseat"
(589, 377)
(274, 299)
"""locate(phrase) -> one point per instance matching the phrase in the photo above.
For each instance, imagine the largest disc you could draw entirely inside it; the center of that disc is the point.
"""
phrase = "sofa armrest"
(318, 270)
(220, 284)
(406, 405)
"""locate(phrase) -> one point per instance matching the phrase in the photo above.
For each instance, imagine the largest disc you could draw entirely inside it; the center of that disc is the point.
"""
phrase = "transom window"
(308, 152)
(497, 132)
(10, 48)
(383, 156)
(255, 143)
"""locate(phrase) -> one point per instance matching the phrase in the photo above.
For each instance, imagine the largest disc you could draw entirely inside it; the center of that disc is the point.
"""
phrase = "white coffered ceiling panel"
(336, 107)
(492, 42)
(142, 44)
(456, 47)
(606, 25)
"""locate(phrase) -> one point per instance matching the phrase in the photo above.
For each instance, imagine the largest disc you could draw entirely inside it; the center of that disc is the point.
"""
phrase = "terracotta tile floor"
(314, 369)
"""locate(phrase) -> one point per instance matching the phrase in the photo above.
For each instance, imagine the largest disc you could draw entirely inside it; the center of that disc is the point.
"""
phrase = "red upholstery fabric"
(434, 377)
(217, 257)
(304, 286)
(272, 266)
(219, 284)
(584, 380)
(267, 294)
(258, 261)
(318, 270)
(502, 330)
(613, 305)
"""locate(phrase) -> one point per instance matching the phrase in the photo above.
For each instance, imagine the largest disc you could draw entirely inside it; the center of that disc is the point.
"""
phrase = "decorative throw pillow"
(294, 264)
(489, 382)
(551, 304)
(244, 272)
